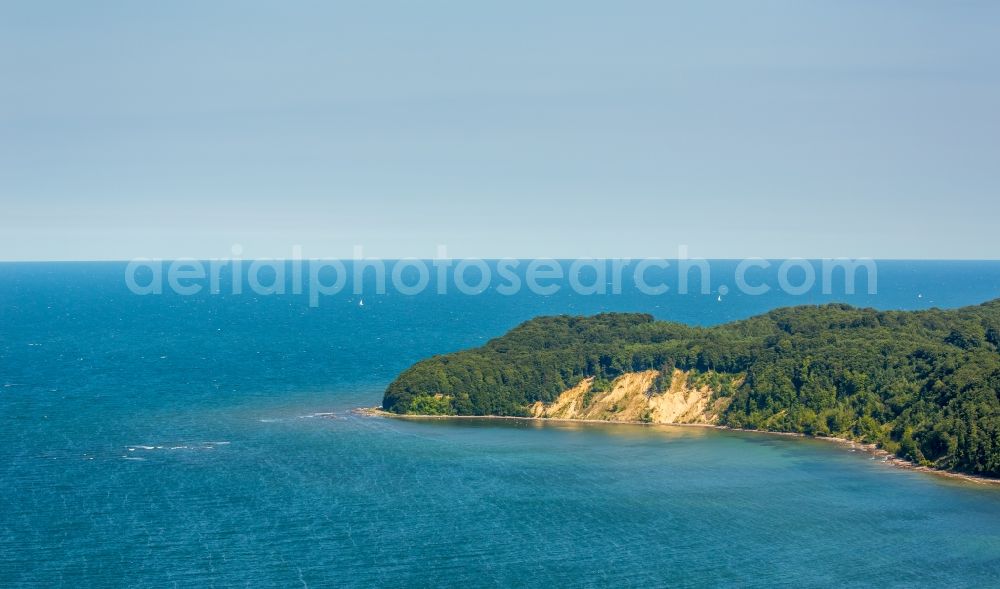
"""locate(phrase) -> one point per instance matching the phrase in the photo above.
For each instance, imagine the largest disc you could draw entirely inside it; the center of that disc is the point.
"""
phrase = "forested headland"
(924, 385)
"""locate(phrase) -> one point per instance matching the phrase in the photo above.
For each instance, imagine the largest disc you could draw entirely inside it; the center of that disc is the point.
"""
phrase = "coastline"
(871, 449)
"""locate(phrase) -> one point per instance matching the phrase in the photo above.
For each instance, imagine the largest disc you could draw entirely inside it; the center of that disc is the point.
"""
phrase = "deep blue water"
(167, 440)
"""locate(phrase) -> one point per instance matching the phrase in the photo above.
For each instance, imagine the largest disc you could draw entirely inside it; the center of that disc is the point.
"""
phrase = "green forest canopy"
(922, 384)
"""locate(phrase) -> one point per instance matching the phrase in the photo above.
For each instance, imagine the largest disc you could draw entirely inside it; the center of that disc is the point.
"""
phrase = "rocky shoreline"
(871, 449)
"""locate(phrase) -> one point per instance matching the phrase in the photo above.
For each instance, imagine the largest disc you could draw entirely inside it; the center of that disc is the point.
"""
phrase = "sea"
(210, 440)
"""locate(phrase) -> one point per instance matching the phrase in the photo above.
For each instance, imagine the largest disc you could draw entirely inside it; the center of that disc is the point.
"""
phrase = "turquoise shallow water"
(178, 441)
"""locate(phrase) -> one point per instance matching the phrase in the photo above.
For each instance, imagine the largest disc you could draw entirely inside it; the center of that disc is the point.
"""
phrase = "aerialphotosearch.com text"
(360, 275)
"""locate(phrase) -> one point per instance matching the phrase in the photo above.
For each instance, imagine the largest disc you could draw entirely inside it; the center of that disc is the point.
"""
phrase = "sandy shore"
(872, 449)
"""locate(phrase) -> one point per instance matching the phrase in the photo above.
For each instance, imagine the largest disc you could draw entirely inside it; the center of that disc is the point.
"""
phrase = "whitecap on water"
(314, 415)
(192, 446)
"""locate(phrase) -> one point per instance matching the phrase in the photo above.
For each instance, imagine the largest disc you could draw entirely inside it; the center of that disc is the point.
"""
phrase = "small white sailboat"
(361, 303)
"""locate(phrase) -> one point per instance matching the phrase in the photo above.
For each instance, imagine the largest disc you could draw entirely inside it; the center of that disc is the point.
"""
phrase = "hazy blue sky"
(567, 129)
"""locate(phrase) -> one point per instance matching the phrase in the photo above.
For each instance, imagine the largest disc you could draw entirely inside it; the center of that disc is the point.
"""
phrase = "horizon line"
(484, 259)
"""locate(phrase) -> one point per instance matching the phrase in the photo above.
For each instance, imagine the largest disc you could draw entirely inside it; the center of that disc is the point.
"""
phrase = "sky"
(505, 129)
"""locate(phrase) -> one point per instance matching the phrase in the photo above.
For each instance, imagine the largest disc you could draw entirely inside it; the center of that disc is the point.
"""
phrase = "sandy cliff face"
(631, 399)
